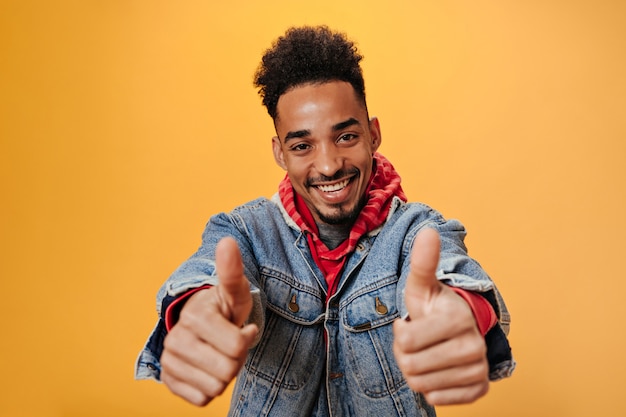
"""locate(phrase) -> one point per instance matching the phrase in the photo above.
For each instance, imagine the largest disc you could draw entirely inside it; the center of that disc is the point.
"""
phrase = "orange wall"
(125, 124)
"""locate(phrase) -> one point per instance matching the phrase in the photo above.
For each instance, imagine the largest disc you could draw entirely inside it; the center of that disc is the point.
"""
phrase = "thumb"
(234, 289)
(422, 284)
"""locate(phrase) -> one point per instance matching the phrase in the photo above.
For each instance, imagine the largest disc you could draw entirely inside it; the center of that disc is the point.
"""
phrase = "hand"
(439, 350)
(207, 347)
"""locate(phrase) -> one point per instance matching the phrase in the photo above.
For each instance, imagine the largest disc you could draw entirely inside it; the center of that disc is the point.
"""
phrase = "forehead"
(314, 103)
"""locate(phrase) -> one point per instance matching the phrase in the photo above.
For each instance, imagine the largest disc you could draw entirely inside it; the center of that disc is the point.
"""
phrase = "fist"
(439, 348)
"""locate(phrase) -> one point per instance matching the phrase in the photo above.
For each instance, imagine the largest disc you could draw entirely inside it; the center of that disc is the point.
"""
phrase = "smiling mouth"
(334, 187)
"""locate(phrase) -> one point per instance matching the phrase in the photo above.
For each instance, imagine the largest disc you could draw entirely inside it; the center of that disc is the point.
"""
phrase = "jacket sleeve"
(457, 269)
(198, 271)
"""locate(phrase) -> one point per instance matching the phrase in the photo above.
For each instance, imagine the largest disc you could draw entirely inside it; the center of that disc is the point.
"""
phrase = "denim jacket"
(293, 368)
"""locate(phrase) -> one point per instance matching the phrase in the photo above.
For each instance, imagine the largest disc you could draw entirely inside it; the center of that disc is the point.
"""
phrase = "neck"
(333, 235)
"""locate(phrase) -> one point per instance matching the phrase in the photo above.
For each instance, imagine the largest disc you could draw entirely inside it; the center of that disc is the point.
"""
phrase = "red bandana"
(384, 185)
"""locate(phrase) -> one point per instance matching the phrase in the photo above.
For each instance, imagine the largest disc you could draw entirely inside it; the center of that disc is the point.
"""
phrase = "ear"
(277, 148)
(374, 125)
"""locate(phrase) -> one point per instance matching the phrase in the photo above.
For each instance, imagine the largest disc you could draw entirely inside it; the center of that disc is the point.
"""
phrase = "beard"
(339, 215)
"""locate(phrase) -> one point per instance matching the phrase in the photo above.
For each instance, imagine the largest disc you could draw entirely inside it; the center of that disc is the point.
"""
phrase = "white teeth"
(334, 187)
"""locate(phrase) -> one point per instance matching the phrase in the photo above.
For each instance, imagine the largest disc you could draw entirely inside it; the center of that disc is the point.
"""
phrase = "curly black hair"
(307, 55)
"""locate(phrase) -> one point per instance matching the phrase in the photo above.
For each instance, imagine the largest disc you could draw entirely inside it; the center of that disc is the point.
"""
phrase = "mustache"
(336, 176)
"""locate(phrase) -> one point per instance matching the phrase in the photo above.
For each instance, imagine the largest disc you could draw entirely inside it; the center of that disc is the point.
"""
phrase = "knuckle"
(476, 374)
(172, 343)
(222, 370)
(198, 399)
(230, 370)
(215, 389)
(400, 338)
(168, 365)
(418, 384)
(240, 347)
(165, 366)
(431, 397)
(478, 348)
(472, 352)
(471, 347)
(187, 318)
(186, 392)
(484, 389)
(232, 373)
(481, 372)
(474, 393)
(165, 376)
(403, 361)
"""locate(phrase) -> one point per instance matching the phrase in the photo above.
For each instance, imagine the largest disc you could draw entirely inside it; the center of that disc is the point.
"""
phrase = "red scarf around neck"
(383, 186)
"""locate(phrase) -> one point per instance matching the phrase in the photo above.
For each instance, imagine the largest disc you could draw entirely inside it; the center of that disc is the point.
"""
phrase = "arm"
(200, 270)
(207, 347)
(458, 270)
(441, 350)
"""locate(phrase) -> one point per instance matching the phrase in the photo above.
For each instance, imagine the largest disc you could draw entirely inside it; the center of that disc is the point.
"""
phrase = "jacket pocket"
(292, 354)
(289, 299)
(367, 322)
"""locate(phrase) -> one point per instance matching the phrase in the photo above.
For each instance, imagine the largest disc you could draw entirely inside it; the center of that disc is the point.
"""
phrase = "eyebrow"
(297, 134)
(306, 132)
(342, 125)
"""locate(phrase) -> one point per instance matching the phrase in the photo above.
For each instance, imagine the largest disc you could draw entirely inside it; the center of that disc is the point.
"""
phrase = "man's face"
(326, 144)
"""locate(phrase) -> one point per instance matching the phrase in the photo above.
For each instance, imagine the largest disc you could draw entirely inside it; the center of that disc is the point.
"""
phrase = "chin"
(340, 216)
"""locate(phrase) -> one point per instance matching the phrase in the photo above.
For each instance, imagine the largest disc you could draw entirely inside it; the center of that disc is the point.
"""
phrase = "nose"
(328, 161)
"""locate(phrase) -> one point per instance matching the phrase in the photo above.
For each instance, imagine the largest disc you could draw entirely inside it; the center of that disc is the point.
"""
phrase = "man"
(336, 297)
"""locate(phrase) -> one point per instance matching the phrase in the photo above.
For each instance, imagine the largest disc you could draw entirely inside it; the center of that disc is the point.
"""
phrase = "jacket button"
(293, 305)
(380, 307)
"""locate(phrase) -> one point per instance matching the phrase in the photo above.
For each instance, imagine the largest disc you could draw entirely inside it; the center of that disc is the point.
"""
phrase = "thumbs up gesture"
(439, 349)
(207, 347)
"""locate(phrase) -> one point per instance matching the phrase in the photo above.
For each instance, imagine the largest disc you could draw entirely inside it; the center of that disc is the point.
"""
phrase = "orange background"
(125, 124)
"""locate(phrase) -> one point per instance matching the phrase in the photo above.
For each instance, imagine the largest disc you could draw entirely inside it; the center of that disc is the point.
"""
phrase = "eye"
(346, 137)
(299, 147)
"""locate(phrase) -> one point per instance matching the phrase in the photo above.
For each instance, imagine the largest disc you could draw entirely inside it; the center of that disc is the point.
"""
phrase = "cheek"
(297, 169)
(297, 177)
(365, 165)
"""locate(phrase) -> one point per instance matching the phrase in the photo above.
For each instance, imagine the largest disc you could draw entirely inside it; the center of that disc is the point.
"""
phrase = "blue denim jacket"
(291, 370)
